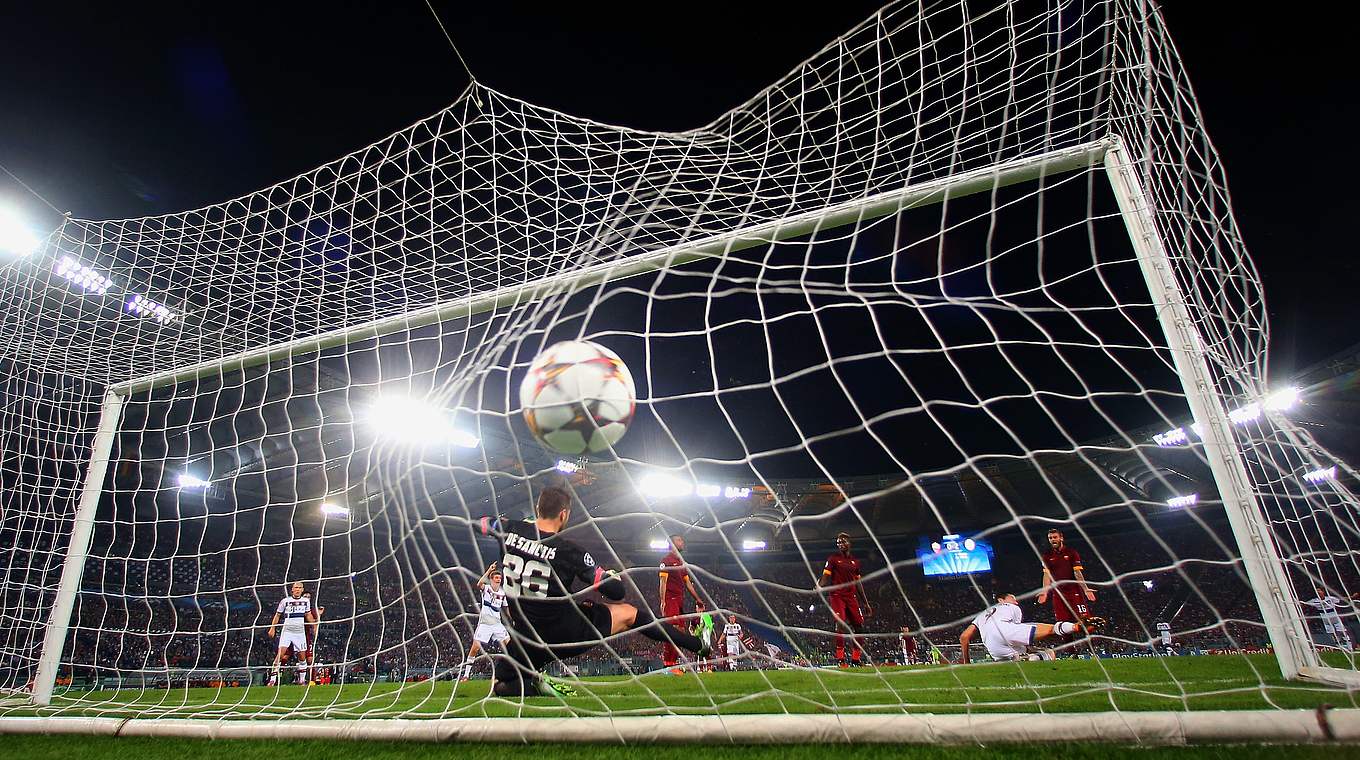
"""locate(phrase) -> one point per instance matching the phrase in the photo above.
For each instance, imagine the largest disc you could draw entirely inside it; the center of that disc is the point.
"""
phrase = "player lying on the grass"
(490, 627)
(1006, 638)
(547, 621)
(295, 610)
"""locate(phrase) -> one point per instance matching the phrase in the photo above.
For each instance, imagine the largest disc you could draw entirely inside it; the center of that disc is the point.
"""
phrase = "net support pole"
(82, 527)
(1251, 529)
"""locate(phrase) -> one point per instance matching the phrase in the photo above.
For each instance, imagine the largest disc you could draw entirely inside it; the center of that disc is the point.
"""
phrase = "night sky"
(117, 110)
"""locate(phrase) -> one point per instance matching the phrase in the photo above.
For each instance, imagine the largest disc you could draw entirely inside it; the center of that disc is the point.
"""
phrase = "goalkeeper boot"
(551, 687)
(704, 630)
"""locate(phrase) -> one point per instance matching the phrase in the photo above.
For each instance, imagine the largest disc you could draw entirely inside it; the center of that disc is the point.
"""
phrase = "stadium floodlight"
(659, 544)
(15, 237)
(1283, 399)
(189, 481)
(752, 545)
(660, 486)
(416, 422)
(1320, 475)
(566, 467)
(1189, 500)
(84, 277)
(1278, 401)
(334, 510)
(145, 307)
(1148, 585)
(1245, 414)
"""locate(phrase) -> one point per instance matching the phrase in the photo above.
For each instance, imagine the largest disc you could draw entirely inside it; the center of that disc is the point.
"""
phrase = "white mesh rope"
(893, 295)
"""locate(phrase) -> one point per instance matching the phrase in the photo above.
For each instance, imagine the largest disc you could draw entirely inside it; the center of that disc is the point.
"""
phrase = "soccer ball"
(578, 397)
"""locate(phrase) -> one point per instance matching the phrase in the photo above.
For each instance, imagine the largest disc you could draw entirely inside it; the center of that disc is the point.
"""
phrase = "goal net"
(967, 276)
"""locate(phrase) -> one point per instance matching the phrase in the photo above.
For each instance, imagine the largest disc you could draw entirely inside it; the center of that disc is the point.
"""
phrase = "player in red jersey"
(310, 630)
(1064, 581)
(842, 575)
(675, 581)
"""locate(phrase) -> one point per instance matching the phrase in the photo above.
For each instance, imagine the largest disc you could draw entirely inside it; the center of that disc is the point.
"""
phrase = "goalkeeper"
(547, 620)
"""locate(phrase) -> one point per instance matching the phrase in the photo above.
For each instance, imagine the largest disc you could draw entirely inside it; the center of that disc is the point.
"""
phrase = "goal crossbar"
(828, 217)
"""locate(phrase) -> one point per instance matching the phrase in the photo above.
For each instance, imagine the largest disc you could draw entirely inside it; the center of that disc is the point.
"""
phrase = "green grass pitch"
(1178, 683)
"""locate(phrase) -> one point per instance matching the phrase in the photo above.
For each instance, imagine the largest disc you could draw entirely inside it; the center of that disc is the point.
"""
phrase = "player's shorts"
(1070, 606)
(295, 639)
(1007, 641)
(734, 648)
(673, 608)
(487, 633)
(846, 610)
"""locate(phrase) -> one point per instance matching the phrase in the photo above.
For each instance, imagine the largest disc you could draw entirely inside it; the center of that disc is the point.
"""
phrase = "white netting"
(981, 359)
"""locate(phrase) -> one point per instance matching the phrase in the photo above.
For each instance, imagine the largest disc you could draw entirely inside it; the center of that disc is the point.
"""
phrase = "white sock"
(1063, 628)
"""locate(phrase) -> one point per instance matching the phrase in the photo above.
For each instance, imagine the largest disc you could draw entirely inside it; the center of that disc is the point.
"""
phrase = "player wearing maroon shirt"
(675, 581)
(1063, 576)
(310, 630)
(842, 576)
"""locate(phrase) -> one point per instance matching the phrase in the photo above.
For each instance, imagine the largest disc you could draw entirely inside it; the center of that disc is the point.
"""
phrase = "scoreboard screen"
(954, 554)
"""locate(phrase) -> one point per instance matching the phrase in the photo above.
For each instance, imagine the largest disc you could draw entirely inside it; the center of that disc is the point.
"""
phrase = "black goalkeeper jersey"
(539, 570)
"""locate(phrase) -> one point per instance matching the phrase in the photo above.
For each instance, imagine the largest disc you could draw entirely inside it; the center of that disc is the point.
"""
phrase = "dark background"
(118, 110)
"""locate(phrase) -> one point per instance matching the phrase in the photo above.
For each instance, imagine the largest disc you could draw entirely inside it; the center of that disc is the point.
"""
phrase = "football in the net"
(578, 397)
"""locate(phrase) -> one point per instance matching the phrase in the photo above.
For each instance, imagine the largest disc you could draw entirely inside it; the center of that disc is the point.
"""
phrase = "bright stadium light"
(189, 481)
(1283, 399)
(1246, 414)
(566, 467)
(416, 422)
(145, 307)
(1174, 437)
(1278, 401)
(334, 510)
(712, 491)
(15, 237)
(752, 545)
(659, 544)
(660, 486)
(82, 276)
(1188, 500)
(1320, 475)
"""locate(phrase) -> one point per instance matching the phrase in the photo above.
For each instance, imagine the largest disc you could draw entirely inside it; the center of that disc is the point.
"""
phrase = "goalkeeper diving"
(547, 620)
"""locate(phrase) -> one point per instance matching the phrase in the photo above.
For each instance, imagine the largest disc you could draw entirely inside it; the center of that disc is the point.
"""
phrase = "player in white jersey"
(1007, 638)
(490, 628)
(1328, 606)
(1164, 633)
(295, 610)
(732, 633)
